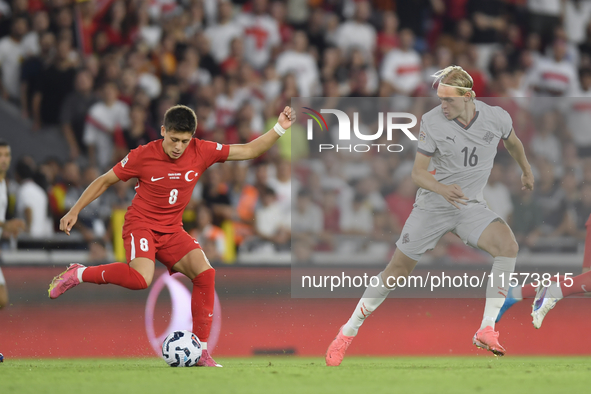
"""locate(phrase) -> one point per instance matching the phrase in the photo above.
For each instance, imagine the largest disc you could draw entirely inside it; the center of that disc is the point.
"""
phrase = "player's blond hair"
(455, 77)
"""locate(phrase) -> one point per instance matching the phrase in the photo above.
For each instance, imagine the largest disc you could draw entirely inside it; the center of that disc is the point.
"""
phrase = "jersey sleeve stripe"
(424, 152)
(509, 135)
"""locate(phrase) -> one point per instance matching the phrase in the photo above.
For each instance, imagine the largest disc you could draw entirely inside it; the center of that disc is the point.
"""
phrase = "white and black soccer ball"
(181, 349)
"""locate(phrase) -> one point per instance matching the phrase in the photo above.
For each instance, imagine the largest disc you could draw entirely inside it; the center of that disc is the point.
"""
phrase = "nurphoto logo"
(345, 130)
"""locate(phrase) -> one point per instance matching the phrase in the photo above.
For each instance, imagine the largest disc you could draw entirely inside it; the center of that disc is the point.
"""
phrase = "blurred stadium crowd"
(105, 71)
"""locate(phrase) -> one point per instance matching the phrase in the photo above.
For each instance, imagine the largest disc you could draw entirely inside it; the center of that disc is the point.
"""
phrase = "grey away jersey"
(461, 154)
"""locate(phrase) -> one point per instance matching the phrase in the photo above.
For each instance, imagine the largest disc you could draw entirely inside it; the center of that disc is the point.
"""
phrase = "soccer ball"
(181, 349)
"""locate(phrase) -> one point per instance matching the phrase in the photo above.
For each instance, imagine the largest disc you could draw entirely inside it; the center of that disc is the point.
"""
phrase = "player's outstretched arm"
(423, 178)
(257, 147)
(515, 149)
(92, 192)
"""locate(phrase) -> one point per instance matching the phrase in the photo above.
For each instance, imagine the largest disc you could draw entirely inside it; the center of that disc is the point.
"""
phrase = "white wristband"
(278, 129)
(2, 280)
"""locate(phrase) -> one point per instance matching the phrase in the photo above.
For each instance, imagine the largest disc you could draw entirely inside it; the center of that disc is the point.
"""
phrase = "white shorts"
(423, 228)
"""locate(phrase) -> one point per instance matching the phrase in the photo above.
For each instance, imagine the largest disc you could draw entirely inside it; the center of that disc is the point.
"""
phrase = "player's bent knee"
(395, 271)
(510, 248)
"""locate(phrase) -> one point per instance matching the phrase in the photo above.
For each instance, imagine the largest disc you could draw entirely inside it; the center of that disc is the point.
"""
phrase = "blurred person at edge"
(8, 228)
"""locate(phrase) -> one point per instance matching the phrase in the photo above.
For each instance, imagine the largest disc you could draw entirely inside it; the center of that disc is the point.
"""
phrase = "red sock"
(587, 258)
(202, 303)
(528, 291)
(116, 273)
(581, 284)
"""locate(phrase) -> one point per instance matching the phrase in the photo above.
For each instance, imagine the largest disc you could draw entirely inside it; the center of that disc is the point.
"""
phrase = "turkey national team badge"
(422, 136)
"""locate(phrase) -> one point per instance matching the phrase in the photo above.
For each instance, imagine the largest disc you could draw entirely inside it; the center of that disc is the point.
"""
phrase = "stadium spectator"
(331, 212)
(571, 188)
(400, 202)
(315, 29)
(11, 53)
(272, 223)
(31, 43)
(551, 198)
(228, 102)
(216, 196)
(210, 237)
(221, 34)
(526, 221)
(401, 68)
(105, 118)
(32, 70)
(544, 17)
(55, 83)
(489, 23)
(74, 110)
(282, 184)
(413, 20)
(139, 131)
(299, 62)
(118, 26)
(244, 199)
(357, 33)
(279, 12)
(553, 76)
(261, 33)
(497, 194)
(578, 114)
(307, 223)
(545, 145)
(387, 38)
(31, 202)
(358, 219)
(577, 15)
(261, 176)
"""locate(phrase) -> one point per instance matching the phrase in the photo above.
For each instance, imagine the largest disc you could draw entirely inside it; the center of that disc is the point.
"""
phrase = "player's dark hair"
(3, 143)
(180, 118)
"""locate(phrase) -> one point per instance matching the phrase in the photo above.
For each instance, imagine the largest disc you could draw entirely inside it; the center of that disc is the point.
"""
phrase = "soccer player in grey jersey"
(457, 146)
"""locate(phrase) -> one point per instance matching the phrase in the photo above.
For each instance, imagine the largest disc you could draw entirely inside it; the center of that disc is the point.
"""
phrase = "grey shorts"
(423, 228)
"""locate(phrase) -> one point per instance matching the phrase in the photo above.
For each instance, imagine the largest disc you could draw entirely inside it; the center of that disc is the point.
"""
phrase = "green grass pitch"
(261, 375)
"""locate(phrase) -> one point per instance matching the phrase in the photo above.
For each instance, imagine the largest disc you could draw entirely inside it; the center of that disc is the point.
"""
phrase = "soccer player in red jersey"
(167, 171)
(546, 297)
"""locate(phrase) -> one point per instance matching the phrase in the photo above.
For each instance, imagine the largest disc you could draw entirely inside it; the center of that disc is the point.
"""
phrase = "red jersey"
(165, 185)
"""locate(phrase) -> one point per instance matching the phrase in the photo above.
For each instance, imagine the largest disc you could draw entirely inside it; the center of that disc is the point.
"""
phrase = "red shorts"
(168, 248)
